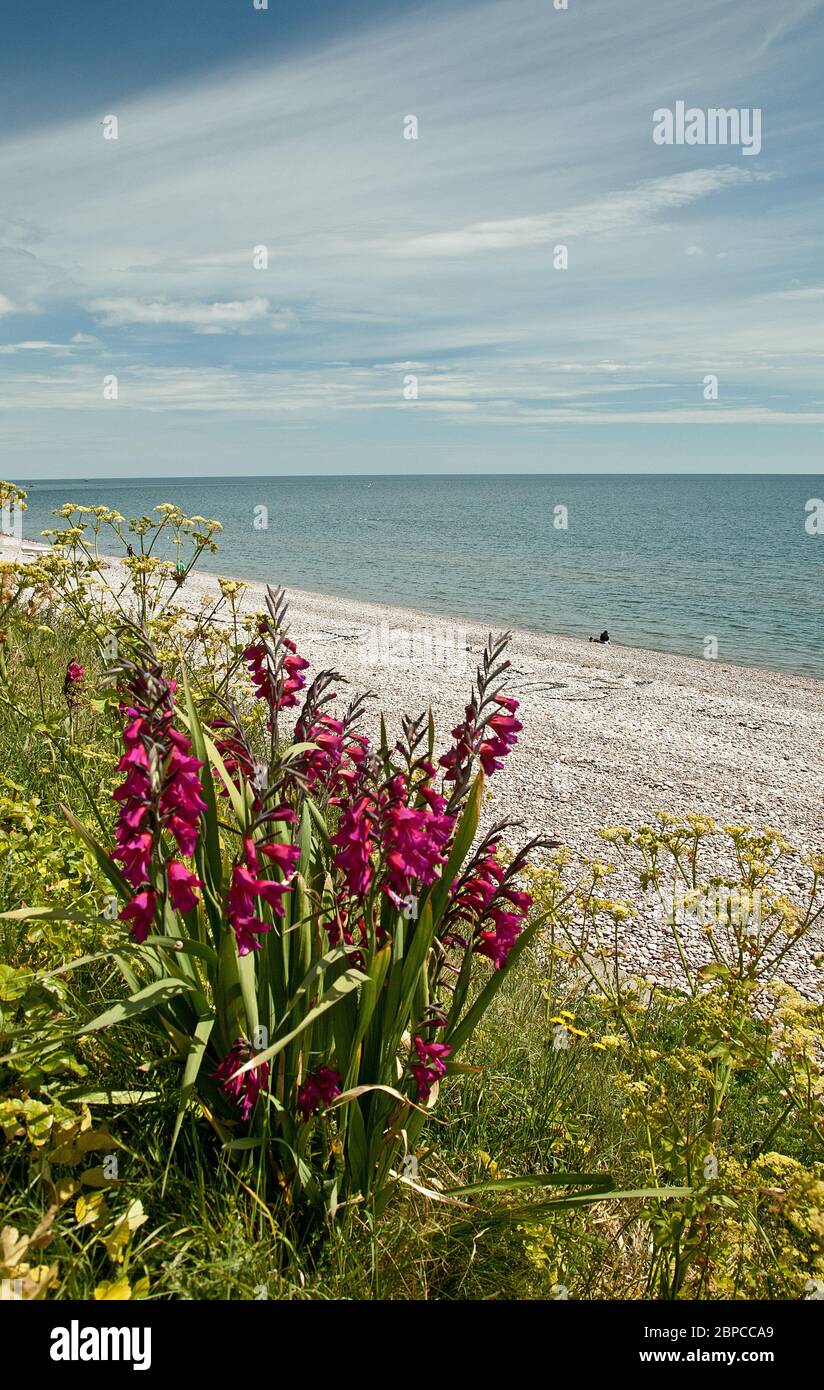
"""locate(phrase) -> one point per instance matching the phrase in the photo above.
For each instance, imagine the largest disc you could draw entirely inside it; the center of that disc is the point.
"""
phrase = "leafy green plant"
(308, 926)
(684, 1060)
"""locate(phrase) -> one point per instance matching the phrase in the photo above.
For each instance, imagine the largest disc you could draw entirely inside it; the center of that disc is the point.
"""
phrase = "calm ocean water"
(662, 562)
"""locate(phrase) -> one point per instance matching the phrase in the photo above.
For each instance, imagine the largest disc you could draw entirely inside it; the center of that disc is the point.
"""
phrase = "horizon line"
(306, 477)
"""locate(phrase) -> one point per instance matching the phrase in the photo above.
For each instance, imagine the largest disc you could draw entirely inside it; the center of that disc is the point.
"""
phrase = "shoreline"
(611, 733)
(457, 621)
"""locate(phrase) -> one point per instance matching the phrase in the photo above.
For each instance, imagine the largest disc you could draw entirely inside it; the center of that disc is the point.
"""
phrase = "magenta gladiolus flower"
(355, 842)
(255, 657)
(240, 907)
(505, 729)
(319, 1089)
(181, 801)
(285, 857)
(136, 855)
(140, 912)
(491, 739)
(430, 1066)
(245, 887)
(497, 942)
(463, 751)
(486, 909)
(335, 764)
(294, 666)
(322, 761)
(185, 831)
(243, 1090)
(71, 683)
(399, 829)
(182, 882)
(413, 839)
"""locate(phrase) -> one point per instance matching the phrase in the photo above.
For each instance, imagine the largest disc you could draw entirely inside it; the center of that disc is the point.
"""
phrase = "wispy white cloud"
(9, 349)
(788, 22)
(116, 312)
(524, 394)
(811, 293)
(431, 256)
(619, 213)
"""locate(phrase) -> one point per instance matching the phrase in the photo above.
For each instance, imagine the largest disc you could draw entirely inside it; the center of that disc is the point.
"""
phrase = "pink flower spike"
(318, 1090)
(243, 1090)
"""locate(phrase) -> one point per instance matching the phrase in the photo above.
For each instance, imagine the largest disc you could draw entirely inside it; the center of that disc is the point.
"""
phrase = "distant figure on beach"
(603, 638)
(130, 551)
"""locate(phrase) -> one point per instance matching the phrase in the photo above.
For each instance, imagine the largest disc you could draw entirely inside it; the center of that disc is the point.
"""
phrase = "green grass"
(530, 1109)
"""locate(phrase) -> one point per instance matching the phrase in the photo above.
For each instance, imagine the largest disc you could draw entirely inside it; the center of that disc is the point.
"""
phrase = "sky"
(411, 315)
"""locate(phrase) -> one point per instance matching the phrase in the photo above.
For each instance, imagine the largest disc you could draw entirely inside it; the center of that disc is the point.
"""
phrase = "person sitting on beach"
(603, 638)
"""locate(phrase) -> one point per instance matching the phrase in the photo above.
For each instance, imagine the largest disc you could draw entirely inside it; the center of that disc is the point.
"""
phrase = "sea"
(724, 567)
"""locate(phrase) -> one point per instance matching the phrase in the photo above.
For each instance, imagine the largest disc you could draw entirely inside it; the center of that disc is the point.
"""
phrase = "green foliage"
(42, 866)
(33, 1045)
(714, 1074)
